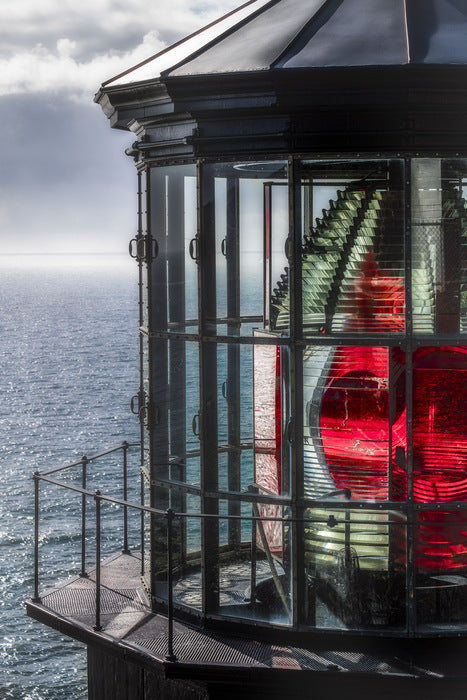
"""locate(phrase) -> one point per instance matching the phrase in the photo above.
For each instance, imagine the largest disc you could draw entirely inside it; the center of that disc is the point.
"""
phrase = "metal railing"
(98, 497)
(168, 515)
(85, 493)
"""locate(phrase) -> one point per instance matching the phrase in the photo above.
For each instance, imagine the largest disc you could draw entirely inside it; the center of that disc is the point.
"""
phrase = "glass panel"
(146, 531)
(250, 216)
(159, 548)
(352, 251)
(226, 258)
(440, 424)
(354, 421)
(354, 568)
(174, 272)
(187, 570)
(439, 245)
(244, 403)
(272, 415)
(192, 413)
(186, 549)
(177, 413)
(174, 412)
(441, 570)
(254, 566)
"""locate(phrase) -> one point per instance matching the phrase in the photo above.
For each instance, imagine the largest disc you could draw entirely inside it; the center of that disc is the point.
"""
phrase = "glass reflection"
(352, 252)
(248, 209)
(354, 577)
(360, 441)
(441, 569)
(254, 581)
(173, 269)
(439, 245)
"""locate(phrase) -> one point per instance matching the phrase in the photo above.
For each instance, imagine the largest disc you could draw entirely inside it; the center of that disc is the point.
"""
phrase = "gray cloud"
(57, 46)
(101, 26)
(65, 184)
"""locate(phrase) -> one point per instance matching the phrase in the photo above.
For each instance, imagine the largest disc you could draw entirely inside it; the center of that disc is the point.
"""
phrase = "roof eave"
(122, 104)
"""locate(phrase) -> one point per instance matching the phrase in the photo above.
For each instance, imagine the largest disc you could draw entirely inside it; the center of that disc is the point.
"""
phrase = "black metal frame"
(207, 340)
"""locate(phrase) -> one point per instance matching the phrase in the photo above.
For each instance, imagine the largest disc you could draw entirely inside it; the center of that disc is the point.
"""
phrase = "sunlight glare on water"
(69, 368)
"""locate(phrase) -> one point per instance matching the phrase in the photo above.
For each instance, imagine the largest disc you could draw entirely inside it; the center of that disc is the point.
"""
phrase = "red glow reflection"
(357, 440)
(268, 437)
(363, 421)
(355, 424)
(354, 421)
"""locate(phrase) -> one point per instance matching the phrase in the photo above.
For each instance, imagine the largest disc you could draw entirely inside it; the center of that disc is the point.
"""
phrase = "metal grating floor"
(127, 618)
(205, 648)
(82, 601)
(208, 648)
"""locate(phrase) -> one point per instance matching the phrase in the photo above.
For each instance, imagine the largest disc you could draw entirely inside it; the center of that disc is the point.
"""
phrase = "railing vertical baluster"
(36, 598)
(170, 656)
(253, 550)
(97, 498)
(83, 574)
(142, 522)
(125, 549)
(253, 561)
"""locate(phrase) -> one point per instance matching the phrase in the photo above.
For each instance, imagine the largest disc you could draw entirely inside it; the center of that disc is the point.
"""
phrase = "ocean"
(69, 359)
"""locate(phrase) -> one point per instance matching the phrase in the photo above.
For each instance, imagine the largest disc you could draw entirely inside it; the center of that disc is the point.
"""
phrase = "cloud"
(41, 70)
(63, 45)
(65, 182)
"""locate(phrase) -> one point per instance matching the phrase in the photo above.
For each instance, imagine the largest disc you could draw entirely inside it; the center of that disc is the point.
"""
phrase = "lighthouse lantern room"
(301, 245)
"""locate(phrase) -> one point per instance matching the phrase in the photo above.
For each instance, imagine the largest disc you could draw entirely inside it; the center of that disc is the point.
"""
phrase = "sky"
(65, 184)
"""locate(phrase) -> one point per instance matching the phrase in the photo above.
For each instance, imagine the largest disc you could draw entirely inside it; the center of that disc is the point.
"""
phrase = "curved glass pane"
(248, 207)
(440, 424)
(441, 570)
(439, 245)
(354, 421)
(174, 269)
(354, 568)
(352, 265)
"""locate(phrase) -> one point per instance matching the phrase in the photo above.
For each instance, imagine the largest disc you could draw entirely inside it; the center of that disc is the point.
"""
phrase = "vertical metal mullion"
(208, 388)
(177, 360)
(267, 245)
(157, 417)
(391, 415)
(143, 275)
(410, 572)
(296, 376)
(139, 236)
(141, 393)
(36, 598)
(233, 354)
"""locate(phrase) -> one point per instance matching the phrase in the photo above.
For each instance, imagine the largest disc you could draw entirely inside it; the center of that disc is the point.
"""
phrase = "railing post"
(36, 598)
(97, 499)
(142, 523)
(170, 656)
(253, 550)
(125, 549)
(253, 560)
(83, 574)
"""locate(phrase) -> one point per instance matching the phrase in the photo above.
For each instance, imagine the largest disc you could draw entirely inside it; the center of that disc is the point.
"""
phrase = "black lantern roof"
(284, 34)
(374, 57)
(319, 33)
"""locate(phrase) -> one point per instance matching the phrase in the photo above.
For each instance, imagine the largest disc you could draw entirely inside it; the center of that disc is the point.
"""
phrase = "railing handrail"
(214, 516)
(169, 515)
(92, 458)
(256, 519)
